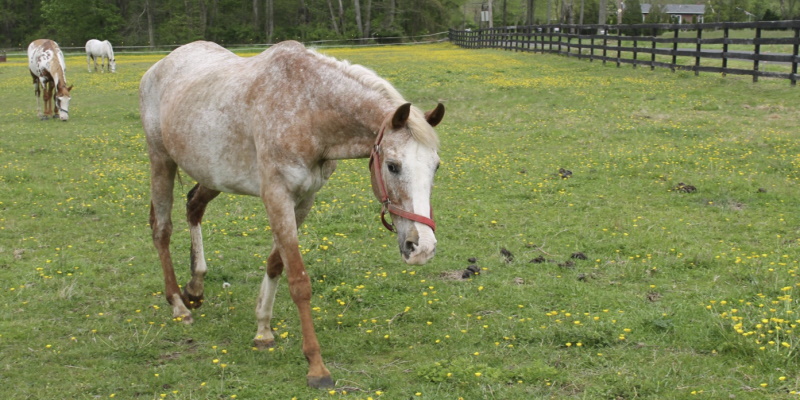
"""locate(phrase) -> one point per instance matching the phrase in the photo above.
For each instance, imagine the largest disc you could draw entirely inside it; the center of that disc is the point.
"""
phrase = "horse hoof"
(320, 382)
(191, 301)
(263, 344)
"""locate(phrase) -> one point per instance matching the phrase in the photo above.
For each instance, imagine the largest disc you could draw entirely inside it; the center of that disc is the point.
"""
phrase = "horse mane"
(418, 126)
(109, 48)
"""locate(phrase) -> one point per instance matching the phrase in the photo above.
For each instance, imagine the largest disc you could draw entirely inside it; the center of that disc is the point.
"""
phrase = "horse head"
(403, 163)
(62, 102)
(109, 50)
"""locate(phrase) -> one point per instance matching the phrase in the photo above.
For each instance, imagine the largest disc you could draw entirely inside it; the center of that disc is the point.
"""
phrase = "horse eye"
(393, 168)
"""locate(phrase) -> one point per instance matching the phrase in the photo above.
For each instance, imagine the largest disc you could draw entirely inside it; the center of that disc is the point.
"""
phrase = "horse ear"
(401, 116)
(435, 116)
(69, 89)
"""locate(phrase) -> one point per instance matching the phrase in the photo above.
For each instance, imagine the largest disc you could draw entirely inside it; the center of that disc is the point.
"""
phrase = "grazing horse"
(47, 67)
(97, 50)
(273, 126)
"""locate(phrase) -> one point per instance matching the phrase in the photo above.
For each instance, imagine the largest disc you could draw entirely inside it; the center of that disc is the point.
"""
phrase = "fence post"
(653, 49)
(795, 48)
(725, 51)
(697, 52)
(569, 43)
(605, 43)
(635, 51)
(538, 40)
(675, 49)
(619, 45)
(498, 38)
(756, 54)
(528, 38)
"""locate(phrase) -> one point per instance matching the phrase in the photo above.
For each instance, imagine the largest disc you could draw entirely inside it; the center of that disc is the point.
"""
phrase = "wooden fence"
(768, 49)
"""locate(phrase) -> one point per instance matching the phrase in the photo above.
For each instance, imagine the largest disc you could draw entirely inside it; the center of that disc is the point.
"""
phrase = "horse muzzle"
(416, 248)
(63, 108)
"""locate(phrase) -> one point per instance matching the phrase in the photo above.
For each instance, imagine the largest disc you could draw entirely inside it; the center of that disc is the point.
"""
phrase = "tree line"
(173, 22)
(169, 22)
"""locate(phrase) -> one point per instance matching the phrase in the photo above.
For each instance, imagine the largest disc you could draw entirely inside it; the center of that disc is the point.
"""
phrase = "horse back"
(191, 111)
(227, 120)
(45, 59)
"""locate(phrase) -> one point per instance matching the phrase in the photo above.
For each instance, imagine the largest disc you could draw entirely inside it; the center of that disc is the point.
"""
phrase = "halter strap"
(383, 195)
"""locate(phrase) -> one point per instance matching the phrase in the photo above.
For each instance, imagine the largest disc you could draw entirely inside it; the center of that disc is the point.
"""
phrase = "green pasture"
(637, 231)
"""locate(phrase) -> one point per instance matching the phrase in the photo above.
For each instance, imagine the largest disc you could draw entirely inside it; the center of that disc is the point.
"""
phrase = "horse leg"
(47, 96)
(196, 202)
(162, 181)
(88, 62)
(269, 286)
(37, 91)
(284, 227)
(266, 299)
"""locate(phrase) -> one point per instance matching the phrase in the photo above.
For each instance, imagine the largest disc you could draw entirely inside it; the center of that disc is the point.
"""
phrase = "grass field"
(665, 266)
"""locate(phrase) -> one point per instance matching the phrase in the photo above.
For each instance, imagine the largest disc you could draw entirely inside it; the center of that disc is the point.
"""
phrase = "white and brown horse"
(48, 69)
(103, 51)
(273, 126)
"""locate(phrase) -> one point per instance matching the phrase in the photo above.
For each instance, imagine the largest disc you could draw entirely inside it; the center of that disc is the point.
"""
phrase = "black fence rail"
(758, 49)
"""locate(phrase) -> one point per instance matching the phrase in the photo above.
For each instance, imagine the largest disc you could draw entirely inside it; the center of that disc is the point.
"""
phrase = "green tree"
(728, 10)
(420, 17)
(632, 12)
(656, 14)
(72, 22)
(770, 15)
(19, 21)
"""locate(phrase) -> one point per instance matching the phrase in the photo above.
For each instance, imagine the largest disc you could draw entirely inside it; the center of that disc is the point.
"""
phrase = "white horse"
(48, 70)
(97, 50)
(273, 126)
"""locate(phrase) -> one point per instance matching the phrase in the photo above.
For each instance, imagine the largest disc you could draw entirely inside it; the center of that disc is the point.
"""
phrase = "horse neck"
(356, 125)
(58, 74)
(60, 80)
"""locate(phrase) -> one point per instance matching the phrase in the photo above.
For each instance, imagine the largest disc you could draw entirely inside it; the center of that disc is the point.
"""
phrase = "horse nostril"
(410, 246)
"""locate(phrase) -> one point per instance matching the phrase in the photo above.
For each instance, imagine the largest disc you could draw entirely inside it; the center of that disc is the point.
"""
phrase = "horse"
(273, 126)
(97, 50)
(48, 69)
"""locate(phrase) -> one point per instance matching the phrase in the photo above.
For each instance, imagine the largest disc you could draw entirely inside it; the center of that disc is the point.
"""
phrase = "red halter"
(382, 194)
